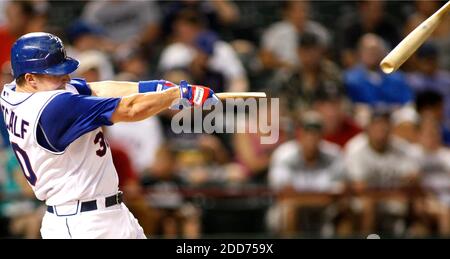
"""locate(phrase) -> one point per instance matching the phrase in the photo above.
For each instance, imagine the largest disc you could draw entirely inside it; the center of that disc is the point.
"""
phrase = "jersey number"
(22, 157)
(100, 139)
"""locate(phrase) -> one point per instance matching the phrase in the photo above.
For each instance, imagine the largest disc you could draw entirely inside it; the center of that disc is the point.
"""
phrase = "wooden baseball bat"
(223, 96)
(413, 41)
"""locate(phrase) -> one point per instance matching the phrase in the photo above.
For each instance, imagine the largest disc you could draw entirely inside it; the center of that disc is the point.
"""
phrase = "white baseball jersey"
(61, 147)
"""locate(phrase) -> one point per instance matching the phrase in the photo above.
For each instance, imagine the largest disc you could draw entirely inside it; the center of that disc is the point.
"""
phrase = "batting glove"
(197, 95)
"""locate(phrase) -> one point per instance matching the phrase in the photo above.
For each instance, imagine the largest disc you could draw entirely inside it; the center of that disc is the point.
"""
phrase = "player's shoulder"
(61, 96)
(4, 91)
(9, 87)
(10, 96)
(44, 98)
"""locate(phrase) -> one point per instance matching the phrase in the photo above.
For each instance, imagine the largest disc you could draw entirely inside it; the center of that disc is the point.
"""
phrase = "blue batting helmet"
(41, 53)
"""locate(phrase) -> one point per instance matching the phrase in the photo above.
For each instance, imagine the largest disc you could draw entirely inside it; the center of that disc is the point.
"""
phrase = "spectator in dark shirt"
(316, 73)
(430, 103)
(217, 14)
(370, 17)
(429, 76)
(175, 216)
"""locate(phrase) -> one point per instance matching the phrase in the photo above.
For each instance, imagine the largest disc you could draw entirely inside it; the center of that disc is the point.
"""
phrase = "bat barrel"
(387, 67)
(413, 41)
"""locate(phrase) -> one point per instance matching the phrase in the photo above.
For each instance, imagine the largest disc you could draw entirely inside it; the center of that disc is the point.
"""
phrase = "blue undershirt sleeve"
(69, 116)
(81, 86)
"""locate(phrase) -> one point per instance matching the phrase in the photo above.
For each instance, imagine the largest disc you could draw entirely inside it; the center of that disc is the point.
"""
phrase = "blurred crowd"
(359, 151)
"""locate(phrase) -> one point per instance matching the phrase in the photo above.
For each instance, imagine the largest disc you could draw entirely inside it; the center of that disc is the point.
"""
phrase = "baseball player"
(54, 124)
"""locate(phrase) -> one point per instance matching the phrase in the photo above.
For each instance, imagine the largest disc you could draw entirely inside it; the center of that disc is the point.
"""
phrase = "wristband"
(151, 86)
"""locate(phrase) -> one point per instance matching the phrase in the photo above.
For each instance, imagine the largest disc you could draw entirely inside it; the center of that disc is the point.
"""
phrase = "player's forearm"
(113, 88)
(141, 106)
(122, 88)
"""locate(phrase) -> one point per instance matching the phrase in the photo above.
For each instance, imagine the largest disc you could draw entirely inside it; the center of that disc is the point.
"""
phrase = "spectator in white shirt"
(279, 41)
(376, 159)
(434, 160)
(307, 163)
